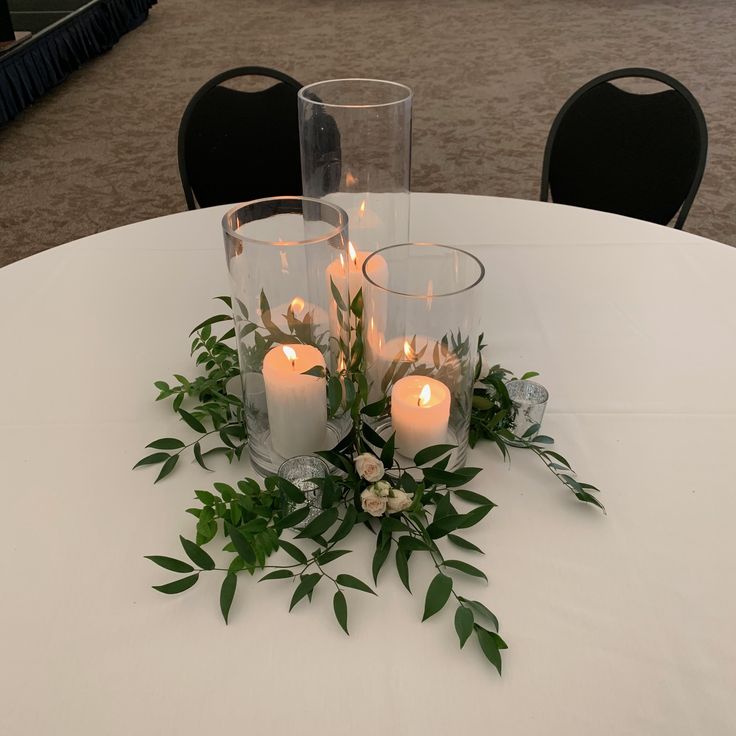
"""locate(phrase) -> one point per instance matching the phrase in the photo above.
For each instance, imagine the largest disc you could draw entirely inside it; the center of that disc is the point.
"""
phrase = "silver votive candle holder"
(529, 400)
(302, 470)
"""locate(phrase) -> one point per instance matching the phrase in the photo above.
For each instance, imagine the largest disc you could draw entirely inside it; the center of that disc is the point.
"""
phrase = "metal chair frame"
(634, 72)
(241, 71)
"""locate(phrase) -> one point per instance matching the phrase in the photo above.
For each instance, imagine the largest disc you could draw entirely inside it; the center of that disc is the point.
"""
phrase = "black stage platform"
(64, 34)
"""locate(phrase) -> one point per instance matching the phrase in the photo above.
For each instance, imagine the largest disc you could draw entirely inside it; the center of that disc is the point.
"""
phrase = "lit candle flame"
(361, 209)
(409, 352)
(297, 304)
(290, 354)
(424, 395)
(353, 254)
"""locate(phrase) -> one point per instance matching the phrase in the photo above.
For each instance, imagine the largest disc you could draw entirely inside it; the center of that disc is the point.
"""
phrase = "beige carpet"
(488, 77)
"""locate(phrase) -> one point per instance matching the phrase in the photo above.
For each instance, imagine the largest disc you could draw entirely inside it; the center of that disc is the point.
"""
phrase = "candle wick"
(293, 364)
(419, 401)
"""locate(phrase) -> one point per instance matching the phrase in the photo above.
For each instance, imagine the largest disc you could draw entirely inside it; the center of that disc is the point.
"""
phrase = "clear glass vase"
(285, 258)
(355, 138)
(420, 335)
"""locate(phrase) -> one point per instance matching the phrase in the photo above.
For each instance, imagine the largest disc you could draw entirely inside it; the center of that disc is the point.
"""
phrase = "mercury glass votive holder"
(285, 258)
(355, 140)
(421, 322)
(529, 400)
(302, 471)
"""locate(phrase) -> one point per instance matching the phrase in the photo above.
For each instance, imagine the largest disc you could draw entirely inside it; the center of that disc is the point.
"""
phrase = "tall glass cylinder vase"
(355, 138)
(285, 258)
(421, 325)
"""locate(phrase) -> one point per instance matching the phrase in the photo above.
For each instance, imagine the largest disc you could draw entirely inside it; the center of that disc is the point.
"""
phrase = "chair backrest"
(236, 146)
(639, 155)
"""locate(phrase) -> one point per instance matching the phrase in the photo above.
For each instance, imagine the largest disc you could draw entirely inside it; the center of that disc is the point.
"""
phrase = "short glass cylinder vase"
(355, 139)
(421, 325)
(285, 258)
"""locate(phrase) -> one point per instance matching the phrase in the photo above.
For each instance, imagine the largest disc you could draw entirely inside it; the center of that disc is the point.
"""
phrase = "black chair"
(639, 155)
(236, 146)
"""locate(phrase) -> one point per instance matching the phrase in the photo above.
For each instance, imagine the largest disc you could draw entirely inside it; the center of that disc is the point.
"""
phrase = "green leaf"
(372, 437)
(157, 457)
(480, 610)
(197, 555)
(227, 593)
(198, 455)
(227, 492)
(295, 517)
(211, 321)
(558, 457)
(445, 524)
(177, 586)
(334, 394)
(192, 421)
(290, 490)
(474, 516)
(379, 557)
(443, 477)
(166, 443)
(387, 453)
(241, 544)
(348, 581)
(169, 563)
(412, 544)
(277, 575)
(466, 568)
(315, 370)
(167, 467)
(473, 497)
(437, 595)
(528, 375)
(205, 497)
(293, 551)
(305, 587)
(337, 296)
(340, 606)
(346, 525)
(331, 555)
(375, 409)
(463, 543)
(489, 645)
(432, 453)
(402, 567)
(463, 624)
(319, 525)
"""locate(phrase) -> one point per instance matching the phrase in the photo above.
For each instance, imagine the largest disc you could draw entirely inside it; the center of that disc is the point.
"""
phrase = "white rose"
(369, 467)
(382, 488)
(398, 501)
(373, 504)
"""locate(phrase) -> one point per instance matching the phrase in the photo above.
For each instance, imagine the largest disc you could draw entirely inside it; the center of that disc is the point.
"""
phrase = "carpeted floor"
(488, 77)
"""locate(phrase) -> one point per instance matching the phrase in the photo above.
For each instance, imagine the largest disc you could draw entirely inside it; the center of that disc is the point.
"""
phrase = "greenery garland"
(409, 509)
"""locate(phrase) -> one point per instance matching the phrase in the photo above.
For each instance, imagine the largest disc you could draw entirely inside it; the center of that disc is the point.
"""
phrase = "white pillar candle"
(297, 405)
(351, 270)
(420, 412)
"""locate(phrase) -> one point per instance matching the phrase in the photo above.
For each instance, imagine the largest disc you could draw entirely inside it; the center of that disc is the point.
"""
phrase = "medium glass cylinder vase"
(285, 258)
(355, 138)
(421, 326)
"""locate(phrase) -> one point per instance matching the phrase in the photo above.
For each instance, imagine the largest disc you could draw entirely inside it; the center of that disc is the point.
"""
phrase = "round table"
(617, 624)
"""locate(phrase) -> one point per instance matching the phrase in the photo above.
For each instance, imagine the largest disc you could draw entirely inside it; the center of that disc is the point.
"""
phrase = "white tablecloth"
(618, 624)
